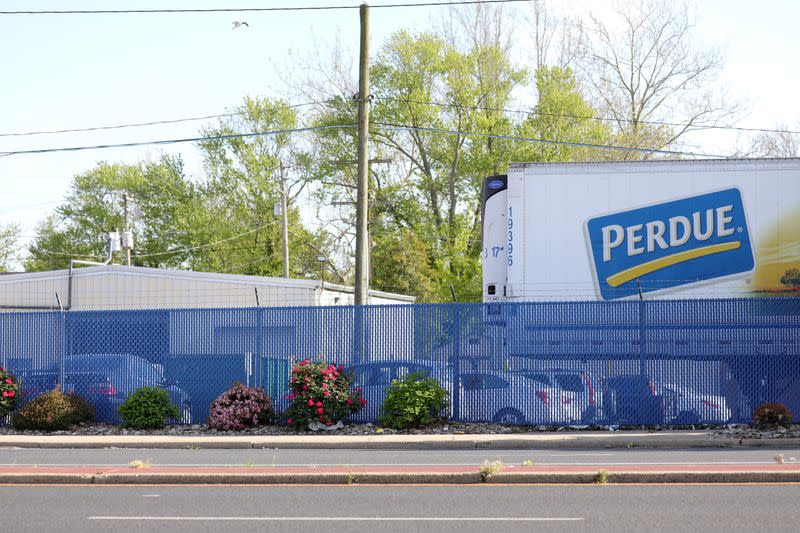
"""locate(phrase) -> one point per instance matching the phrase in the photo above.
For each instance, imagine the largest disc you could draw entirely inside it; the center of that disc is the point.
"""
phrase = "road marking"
(398, 465)
(151, 495)
(340, 518)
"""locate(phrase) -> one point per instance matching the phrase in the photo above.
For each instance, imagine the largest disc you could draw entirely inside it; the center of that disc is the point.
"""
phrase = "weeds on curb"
(250, 463)
(602, 477)
(528, 462)
(351, 478)
(138, 463)
(489, 469)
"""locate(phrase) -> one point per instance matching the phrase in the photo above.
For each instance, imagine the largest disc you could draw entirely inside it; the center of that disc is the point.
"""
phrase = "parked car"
(632, 399)
(685, 405)
(574, 394)
(106, 380)
(505, 398)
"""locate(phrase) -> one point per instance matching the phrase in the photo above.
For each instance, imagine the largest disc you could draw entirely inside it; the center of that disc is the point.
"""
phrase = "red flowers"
(320, 392)
(10, 390)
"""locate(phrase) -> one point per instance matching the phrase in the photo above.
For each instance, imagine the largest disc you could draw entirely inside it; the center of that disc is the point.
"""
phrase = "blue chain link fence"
(632, 362)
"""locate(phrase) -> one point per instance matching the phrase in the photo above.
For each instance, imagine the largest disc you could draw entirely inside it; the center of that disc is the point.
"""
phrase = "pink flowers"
(8, 380)
(9, 394)
(320, 392)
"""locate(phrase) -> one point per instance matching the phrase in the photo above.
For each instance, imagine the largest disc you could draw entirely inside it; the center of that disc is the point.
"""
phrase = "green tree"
(158, 198)
(9, 244)
(561, 114)
(429, 92)
(246, 176)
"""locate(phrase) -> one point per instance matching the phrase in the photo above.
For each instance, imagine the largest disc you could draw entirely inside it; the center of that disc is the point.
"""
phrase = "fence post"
(455, 358)
(642, 334)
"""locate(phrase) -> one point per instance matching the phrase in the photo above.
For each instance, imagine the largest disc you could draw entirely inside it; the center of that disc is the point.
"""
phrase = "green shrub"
(415, 401)
(771, 414)
(53, 411)
(321, 393)
(147, 408)
(9, 392)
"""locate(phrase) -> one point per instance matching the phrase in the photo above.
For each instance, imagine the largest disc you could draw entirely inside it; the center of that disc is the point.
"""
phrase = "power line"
(152, 123)
(592, 117)
(246, 9)
(401, 127)
(201, 246)
(175, 141)
(420, 102)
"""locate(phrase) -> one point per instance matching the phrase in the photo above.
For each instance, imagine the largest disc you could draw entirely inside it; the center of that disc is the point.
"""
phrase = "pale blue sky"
(87, 70)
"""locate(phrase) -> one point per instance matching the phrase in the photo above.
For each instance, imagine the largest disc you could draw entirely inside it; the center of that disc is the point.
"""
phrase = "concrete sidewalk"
(401, 474)
(516, 441)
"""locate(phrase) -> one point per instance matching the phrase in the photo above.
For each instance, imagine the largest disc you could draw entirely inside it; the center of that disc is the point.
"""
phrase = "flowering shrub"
(321, 393)
(9, 392)
(240, 407)
(771, 414)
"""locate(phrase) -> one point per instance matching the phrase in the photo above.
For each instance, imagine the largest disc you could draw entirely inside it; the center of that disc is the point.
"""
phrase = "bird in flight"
(239, 23)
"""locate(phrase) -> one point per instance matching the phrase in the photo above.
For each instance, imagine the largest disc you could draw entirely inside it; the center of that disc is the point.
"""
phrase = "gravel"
(735, 431)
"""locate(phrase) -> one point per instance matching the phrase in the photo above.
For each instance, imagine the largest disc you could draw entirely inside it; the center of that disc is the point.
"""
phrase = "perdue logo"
(670, 244)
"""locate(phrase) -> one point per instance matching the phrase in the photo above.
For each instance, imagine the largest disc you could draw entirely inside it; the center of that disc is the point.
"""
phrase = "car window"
(540, 379)
(494, 382)
(570, 382)
(472, 382)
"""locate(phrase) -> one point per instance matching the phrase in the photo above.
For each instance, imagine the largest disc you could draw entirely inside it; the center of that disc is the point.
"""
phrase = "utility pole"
(362, 194)
(127, 228)
(284, 223)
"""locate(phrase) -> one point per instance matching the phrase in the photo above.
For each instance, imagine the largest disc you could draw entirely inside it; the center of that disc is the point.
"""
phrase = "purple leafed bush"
(241, 407)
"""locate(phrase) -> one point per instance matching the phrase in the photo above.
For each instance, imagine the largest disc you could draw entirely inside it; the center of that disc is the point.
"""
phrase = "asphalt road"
(402, 508)
(328, 457)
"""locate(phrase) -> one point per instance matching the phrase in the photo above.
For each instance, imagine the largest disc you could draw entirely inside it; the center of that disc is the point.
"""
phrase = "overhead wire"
(246, 9)
(419, 102)
(402, 127)
(151, 123)
(176, 141)
(399, 127)
(591, 117)
(210, 244)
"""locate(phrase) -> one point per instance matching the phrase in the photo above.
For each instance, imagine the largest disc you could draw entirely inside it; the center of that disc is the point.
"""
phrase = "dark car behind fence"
(631, 362)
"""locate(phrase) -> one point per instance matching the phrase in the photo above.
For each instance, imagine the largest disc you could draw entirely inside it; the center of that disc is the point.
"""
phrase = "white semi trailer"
(653, 229)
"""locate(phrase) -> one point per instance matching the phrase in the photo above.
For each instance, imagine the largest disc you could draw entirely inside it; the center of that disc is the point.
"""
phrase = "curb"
(673, 440)
(399, 478)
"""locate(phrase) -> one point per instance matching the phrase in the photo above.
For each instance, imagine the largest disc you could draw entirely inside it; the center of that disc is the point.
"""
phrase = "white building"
(111, 287)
